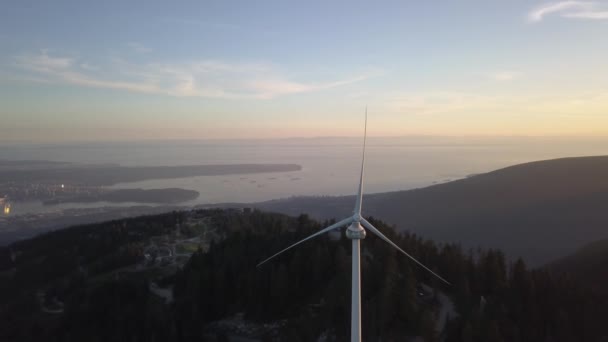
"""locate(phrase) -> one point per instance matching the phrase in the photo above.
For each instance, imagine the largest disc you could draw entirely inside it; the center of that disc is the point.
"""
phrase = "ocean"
(330, 166)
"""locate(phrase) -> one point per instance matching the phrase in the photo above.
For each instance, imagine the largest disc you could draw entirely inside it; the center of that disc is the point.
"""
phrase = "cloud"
(460, 104)
(442, 102)
(43, 63)
(202, 23)
(88, 66)
(66, 70)
(505, 75)
(138, 47)
(272, 87)
(204, 78)
(587, 104)
(570, 9)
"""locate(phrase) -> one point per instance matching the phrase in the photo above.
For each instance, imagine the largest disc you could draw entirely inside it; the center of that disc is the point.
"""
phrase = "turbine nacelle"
(355, 231)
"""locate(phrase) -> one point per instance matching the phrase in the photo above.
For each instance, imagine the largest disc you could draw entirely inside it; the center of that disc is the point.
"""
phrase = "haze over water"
(329, 165)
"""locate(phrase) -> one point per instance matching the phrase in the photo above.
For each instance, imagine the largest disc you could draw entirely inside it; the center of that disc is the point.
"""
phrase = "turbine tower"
(356, 232)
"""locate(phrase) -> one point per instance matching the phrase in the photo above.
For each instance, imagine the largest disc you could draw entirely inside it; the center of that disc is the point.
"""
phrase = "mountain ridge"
(588, 265)
(539, 210)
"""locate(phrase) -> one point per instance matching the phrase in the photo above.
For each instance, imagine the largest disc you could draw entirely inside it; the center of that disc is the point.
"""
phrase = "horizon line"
(168, 140)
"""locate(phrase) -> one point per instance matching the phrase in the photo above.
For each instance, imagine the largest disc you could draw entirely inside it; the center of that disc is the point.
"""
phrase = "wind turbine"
(356, 233)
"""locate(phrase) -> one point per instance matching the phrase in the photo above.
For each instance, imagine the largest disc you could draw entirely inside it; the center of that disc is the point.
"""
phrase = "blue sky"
(79, 70)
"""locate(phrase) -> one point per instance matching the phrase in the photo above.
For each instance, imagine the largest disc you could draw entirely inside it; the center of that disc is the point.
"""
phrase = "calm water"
(330, 166)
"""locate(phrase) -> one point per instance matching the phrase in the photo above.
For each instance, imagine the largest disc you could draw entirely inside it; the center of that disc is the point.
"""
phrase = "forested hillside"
(589, 265)
(539, 211)
(219, 294)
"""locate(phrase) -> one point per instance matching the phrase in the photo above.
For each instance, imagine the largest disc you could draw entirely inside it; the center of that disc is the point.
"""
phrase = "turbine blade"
(360, 193)
(333, 226)
(375, 230)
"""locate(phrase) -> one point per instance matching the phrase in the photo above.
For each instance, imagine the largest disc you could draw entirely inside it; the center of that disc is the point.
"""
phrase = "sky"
(131, 70)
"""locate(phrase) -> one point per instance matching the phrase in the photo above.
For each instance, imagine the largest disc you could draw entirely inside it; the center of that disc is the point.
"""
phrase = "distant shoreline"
(151, 196)
(105, 175)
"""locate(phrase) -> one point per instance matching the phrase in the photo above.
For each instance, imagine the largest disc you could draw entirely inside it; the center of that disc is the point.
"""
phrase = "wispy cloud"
(138, 47)
(67, 70)
(504, 75)
(570, 9)
(216, 25)
(200, 23)
(44, 63)
(441, 102)
(580, 105)
(204, 78)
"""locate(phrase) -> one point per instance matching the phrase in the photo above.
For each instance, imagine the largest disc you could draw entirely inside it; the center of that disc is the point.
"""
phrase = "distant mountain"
(540, 211)
(589, 265)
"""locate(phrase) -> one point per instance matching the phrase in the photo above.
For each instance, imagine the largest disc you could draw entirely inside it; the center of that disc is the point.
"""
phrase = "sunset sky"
(102, 70)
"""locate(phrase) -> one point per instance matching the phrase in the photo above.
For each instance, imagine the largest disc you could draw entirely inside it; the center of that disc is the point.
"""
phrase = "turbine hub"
(355, 231)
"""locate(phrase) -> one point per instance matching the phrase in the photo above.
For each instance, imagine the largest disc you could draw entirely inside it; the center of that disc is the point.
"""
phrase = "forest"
(304, 295)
